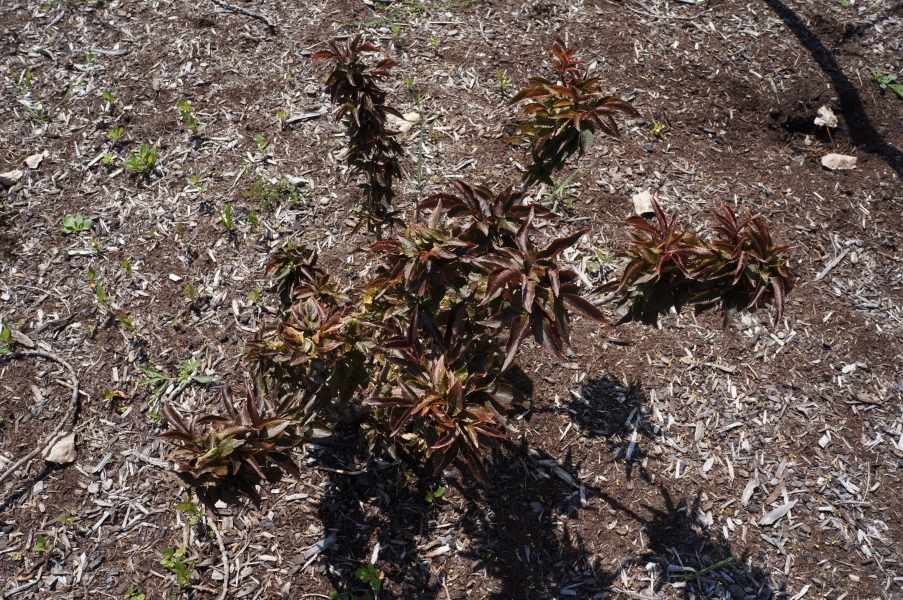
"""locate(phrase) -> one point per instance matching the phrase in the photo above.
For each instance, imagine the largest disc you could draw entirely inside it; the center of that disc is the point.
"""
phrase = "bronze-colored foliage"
(740, 267)
(747, 269)
(446, 412)
(533, 293)
(224, 457)
(372, 148)
(657, 275)
(563, 116)
(491, 216)
(319, 349)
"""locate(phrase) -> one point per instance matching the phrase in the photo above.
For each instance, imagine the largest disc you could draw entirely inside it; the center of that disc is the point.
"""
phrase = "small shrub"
(416, 353)
(562, 118)
(372, 149)
(224, 457)
(739, 267)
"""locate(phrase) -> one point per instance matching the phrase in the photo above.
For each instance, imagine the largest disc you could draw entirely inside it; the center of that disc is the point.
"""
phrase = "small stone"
(10, 178)
(642, 203)
(838, 162)
(61, 450)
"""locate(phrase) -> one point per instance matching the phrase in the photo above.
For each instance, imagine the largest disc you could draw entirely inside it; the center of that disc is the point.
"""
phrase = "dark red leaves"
(372, 149)
(563, 118)
(738, 266)
(225, 458)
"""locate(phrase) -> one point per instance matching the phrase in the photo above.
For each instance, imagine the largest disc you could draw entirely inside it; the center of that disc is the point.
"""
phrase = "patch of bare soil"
(654, 450)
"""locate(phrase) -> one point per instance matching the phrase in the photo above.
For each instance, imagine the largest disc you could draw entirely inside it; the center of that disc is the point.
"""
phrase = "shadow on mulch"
(532, 534)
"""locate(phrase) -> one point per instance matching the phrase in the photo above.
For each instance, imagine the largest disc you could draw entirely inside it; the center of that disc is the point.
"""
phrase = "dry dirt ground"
(654, 449)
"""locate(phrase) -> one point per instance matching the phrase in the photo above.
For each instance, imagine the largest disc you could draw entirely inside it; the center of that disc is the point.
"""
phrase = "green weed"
(75, 224)
(143, 161)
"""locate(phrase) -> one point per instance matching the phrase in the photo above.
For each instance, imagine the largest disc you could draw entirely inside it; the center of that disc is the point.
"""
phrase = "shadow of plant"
(548, 527)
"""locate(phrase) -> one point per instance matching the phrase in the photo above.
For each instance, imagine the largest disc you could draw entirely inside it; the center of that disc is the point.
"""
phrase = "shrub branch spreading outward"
(372, 148)
(740, 267)
(415, 355)
(564, 115)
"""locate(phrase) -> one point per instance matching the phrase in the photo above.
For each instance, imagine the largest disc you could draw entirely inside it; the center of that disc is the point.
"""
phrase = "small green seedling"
(562, 191)
(132, 594)
(435, 42)
(42, 545)
(282, 116)
(109, 96)
(262, 145)
(107, 159)
(369, 576)
(6, 335)
(886, 81)
(127, 267)
(397, 33)
(154, 378)
(75, 224)
(657, 129)
(225, 217)
(194, 512)
(175, 562)
(116, 134)
(191, 122)
(501, 80)
(435, 495)
(68, 519)
(143, 161)
(693, 574)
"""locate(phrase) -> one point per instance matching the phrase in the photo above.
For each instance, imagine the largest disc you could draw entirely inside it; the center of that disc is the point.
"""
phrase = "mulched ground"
(654, 449)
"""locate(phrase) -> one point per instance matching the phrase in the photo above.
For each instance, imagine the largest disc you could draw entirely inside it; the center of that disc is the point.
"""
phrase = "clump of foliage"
(224, 457)
(739, 266)
(176, 562)
(75, 224)
(564, 115)
(270, 195)
(142, 161)
(372, 149)
(887, 81)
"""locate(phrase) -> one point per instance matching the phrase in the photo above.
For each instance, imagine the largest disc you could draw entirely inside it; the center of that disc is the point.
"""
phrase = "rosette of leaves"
(297, 277)
(564, 115)
(447, 410)
(489, 216)
(225, 457)
(321, 350)
(372, 148)
(290, 265)
(660, 260)
(746, 268)
(531, 293)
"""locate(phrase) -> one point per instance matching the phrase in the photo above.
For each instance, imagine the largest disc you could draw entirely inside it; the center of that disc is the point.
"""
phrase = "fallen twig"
(222, 549)
(73, 402)
(246, 12)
